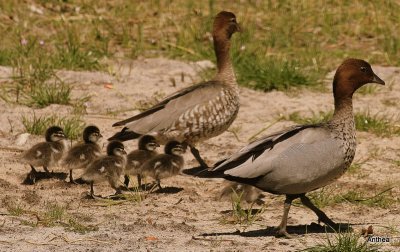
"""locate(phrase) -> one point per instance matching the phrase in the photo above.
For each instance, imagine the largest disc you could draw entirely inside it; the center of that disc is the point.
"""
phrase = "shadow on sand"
(34, 176)
(313, 228)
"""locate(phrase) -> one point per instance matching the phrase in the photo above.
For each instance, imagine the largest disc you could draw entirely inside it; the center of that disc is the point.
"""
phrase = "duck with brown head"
(306, 157)
(198, 112)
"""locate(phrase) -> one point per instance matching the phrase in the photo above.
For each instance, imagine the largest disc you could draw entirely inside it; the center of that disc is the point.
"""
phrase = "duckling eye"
(233, 20)
(363, 69)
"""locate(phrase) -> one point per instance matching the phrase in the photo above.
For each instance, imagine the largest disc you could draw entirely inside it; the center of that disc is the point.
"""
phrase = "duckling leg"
(321, 215)
(33, 168)
(31, 178)
(197, 156)
(46, 170)
(91, 190)
(281, 229)
(91, 194)
(159, 184)
(71, 179)
(126, 180)
(139, 180)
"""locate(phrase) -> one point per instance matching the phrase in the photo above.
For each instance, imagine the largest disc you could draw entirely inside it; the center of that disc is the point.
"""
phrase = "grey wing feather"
(168, 111)
(246, 163)
(259, 146)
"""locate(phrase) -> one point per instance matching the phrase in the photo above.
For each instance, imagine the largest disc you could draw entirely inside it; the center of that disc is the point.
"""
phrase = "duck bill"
(377, 80)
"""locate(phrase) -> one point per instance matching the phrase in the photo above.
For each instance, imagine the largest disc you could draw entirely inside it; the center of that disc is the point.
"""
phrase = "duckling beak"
(123, 152)
(182, 149)
(377, 80)
(238, 28)
(100, 135)
(61, 134)
(157, 144)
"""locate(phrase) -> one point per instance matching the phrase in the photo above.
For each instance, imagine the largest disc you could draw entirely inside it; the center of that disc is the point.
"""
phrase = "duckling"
(82, 154)
(109, 167)
(244, 193)
(165, 165)
(46, 154)
(146, 150)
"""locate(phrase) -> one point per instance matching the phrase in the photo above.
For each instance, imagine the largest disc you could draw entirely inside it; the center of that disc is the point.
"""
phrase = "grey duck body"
(304, 158)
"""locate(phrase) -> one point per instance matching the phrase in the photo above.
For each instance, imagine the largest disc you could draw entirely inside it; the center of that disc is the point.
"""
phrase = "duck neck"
(343, 111)
(225, 73)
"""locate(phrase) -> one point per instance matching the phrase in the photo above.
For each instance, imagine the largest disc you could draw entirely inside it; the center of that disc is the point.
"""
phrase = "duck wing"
(169, 110)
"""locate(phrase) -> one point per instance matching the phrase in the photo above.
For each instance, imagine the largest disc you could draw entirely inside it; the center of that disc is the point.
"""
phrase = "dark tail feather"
(124, 135)
(203, 173)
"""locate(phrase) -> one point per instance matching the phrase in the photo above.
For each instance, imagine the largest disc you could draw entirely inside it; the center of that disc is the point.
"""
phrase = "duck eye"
(363, 69)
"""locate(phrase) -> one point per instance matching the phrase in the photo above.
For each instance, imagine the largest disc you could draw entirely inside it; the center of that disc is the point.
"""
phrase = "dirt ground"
(191, 219)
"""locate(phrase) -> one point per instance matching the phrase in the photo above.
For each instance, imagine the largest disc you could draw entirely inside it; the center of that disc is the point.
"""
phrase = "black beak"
(377, 80)
(238, 27)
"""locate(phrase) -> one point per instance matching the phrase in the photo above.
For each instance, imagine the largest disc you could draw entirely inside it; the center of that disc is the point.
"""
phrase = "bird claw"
(92, 197)
(283, 233)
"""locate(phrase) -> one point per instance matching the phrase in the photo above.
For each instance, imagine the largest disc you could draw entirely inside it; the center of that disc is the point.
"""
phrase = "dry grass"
(291, 42)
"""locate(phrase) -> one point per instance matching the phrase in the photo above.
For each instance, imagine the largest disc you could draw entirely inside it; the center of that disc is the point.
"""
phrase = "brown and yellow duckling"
(146, 150)
(107, 168)
(83, 154)
(46, 154)
(165, 165)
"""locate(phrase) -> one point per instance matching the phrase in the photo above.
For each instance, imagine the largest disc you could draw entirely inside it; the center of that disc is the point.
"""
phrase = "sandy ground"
(191, 219)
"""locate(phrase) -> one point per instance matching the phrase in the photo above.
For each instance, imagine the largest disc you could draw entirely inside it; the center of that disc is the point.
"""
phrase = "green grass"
(52, 215)
(15, 209)
(72, 127)
(314, 119)
(344, 242)
(283, 43)
(240, 215)
(50, 93)
(379, 125)
(34, 79)
(270, 74)
(74, 225)
(328, 196)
